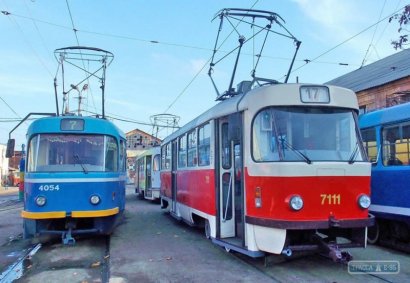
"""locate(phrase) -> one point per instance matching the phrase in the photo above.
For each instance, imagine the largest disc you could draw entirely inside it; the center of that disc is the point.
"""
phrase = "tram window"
(71, 153)
(226, 147)
(396, 144)
(305, 133)
(166, 157)
(111, 154)
(264, 141)
(32, 154)
(123, 156)
(192, 150)
(204, 139)
(182, 152)
(369, 143)
(155, 163)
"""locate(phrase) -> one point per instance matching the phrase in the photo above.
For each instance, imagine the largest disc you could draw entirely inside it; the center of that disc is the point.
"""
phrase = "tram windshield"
(306, 134)
(70, 153)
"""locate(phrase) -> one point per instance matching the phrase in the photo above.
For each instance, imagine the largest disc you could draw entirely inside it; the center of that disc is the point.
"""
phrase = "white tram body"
(265, 171)
(147, 174)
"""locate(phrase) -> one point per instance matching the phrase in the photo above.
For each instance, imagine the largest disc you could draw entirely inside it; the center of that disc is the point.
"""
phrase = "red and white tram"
(147, 177)
(277, 169)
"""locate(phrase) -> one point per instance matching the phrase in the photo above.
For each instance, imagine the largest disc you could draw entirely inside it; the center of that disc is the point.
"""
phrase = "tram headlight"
(296, 203)
(95, 199)
(41, 201)
(364, 201)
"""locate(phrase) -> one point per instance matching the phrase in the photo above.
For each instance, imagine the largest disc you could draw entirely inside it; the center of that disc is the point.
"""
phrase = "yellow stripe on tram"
(95, 213)
(43, 215)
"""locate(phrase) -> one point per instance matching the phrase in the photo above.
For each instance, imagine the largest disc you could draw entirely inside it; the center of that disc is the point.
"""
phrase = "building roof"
(389, 69)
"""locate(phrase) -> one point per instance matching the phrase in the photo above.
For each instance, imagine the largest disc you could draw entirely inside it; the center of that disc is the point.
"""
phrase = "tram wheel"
(207, 230)
(373, 234)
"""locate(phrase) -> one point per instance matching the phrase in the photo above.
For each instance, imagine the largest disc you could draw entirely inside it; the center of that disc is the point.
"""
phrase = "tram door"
(174, 174)
(226, 182)
(148, 172)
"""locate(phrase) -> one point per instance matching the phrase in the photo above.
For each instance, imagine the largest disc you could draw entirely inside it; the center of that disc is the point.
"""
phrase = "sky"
(162, 50)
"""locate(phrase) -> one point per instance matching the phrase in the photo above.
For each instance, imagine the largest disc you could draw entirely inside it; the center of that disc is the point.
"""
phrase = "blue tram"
(386, 136)
(76, 166)
(75, 176)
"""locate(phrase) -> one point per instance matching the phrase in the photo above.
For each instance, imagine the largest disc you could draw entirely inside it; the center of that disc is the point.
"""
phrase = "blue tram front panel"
(73, 196)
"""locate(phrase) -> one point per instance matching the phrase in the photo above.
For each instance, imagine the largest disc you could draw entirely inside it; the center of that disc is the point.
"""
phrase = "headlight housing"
(296, 202)
(94, 199)
(41, 200)
(364, 201)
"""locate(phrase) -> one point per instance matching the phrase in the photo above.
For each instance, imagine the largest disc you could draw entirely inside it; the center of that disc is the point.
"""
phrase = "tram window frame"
(204, 145)
(113, 141)
(123, 156)
(395, 137)
(166, 157)
(192, 150)
(156, 162)
(226, 147)
(369, 137)
(182, 151)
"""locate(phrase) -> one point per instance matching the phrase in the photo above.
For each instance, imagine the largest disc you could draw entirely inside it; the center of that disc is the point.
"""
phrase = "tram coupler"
(339, 256)
(331, 250)
(67, 236)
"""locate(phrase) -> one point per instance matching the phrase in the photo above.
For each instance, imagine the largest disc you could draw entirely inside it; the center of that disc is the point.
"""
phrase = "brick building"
(140, 140)
(381, 84)
(137, 142)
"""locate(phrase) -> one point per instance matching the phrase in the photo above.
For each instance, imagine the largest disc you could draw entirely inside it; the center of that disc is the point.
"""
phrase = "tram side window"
(369, 143)
(396, 144)
(182, 152)
(111, 155)
(155, 163)
(264, 142)
(166, 157)
(204, 144)
(226, 147)
(192, 152)
(123, 156)
(32, 153)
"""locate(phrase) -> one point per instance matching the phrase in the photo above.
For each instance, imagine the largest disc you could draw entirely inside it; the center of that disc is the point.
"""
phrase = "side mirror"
(10, 148)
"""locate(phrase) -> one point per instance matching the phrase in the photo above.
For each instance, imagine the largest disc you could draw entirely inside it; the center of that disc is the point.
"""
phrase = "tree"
(403, 19)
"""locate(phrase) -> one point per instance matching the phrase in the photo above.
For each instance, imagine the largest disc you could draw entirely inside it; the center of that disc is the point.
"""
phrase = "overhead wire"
(346, 40)
(27, 42)
(314, 60)
(43, 42)
(374, 33)
(154, 42)
(206, 64)
(12, 110)
(78, 44)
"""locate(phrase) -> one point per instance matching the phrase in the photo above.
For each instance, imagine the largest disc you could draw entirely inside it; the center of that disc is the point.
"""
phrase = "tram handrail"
(227, 199)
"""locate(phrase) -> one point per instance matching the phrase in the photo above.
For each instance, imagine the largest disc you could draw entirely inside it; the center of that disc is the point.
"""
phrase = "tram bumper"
(319, 236)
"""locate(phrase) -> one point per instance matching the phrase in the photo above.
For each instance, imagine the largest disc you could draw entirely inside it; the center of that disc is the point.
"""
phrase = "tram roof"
(385, 116)
(150, 151)
(261, 97)
(92, 125)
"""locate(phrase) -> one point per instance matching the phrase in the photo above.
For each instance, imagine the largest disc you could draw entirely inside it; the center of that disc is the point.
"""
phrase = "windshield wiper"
(307, 159)
(77, 158)
(354, 154)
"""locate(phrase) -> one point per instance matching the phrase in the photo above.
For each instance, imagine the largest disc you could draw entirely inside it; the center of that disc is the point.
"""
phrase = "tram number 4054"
(46, 188)
(330, 199)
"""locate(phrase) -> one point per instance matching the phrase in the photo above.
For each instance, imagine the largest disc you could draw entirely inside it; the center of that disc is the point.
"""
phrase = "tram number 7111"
(330, 199)
(45, 188)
